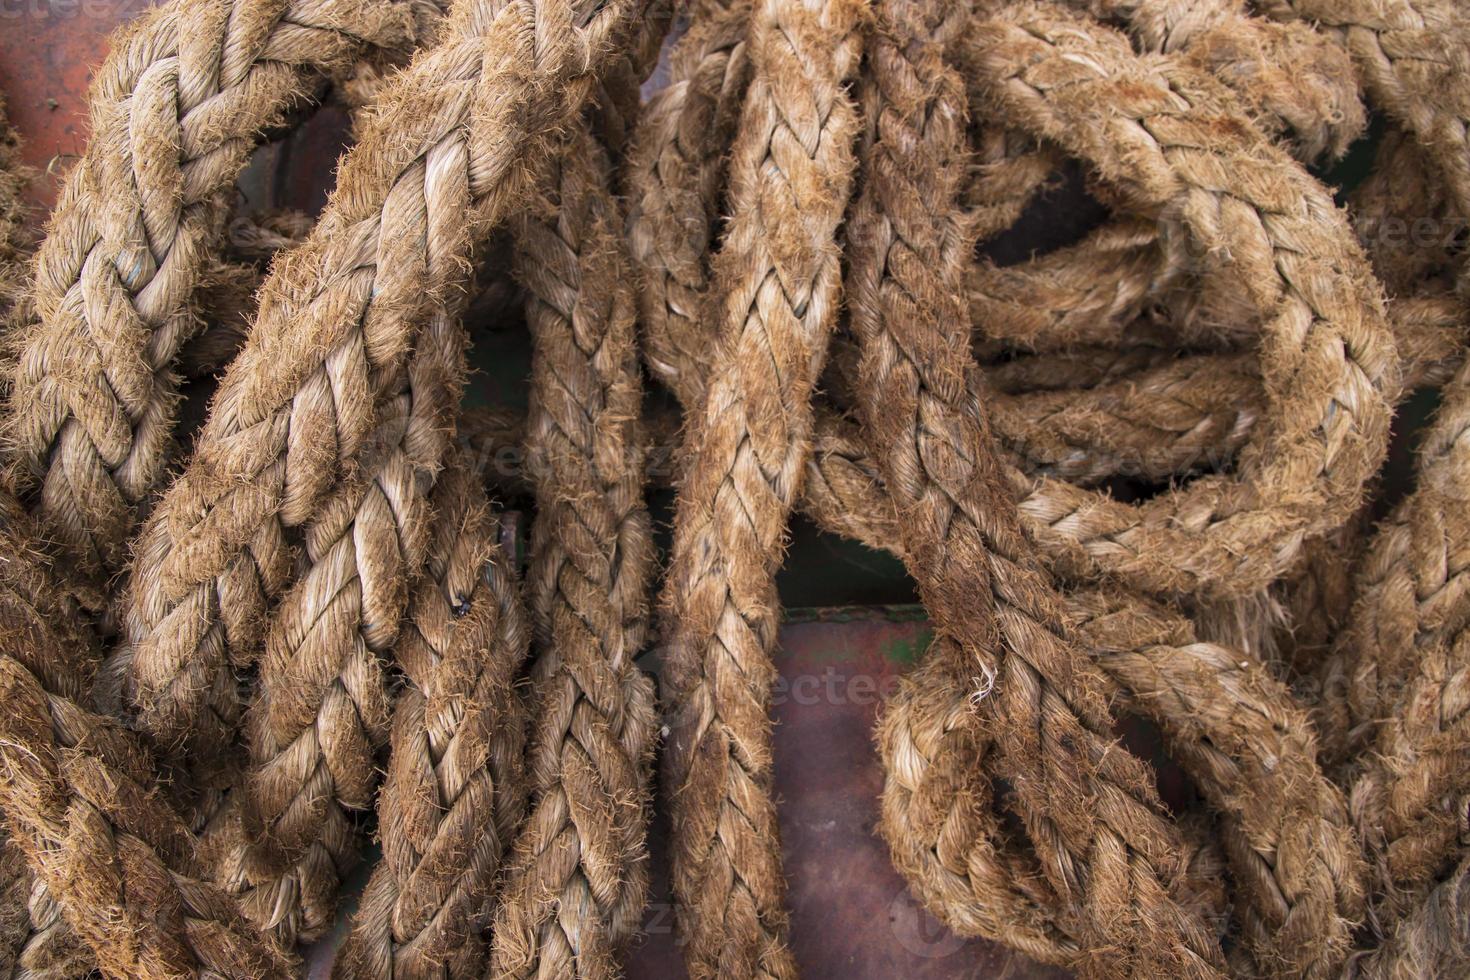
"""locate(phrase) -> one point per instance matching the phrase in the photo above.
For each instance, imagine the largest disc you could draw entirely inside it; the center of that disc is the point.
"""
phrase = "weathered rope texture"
(1169, 139)
(673, 177)
(80, 799)
(1295, 82)
(444, 153)
(36, 941)
(577, 881)
(1413, 61)
(322, 710)
(454, 793)
(15, 231)
(1404, 663)
(778, 279)
(1091, 811)
(182, 100)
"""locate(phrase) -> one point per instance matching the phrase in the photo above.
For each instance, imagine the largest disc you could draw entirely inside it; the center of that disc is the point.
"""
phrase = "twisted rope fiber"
(778, 277)
(673, 181)
(1433, 941)
(1297, 84)
(1413, 61)
(1404, 222)
(1167, 138)
(1404, 218)
(454, 792)
(673, 178)
(322, 708)
(1404, 664)
(36, 942)
(577, 880)
(322, 711)
(1299, 860)
(15, 230)
(176, 110)
(1235, 730)
(1193, 413)
(1113, 863)
(1108, 397)
(444, 154)
(1090, 820)
(80, 799)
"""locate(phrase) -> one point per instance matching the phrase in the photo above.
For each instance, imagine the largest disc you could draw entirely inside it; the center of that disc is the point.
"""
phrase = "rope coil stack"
(1147, 473)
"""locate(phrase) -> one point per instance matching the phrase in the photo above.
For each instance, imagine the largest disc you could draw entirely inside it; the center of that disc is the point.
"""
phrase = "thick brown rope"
(1191, 414)
(577, 880)
(1413, 61)
(444, 154)
(1432, 940)
(1168, 139)
(1091, 812)
(1404, 664)
(778, 279)
(1233, 727)
(322, 710)
(1298, 872)
(80, 798)
(36, 941)
(1295, 82)
(673, 179)
(181, 102)
(454, 792)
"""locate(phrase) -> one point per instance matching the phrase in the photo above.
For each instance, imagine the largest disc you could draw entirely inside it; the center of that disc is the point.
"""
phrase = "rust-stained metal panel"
(48, 49)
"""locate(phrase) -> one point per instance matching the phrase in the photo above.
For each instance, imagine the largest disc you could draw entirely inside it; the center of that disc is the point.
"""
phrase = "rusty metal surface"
(48, 49)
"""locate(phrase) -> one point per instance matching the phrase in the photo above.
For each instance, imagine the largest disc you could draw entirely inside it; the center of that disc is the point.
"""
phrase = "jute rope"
(454, 793)
(36, 942)
(1413, 61)
(778, 279)
(1404, 218)
(323, 707)
(80, 798)
(1296, 83)
(1432, 941)
(444, 154)
(1097, 829)
(577, 880)
(1403, 663)
(1103, 846)
(1167, 138)
(15, 232)
(673, 179)
(176, 110)
(1234, 728)
(1237, 732)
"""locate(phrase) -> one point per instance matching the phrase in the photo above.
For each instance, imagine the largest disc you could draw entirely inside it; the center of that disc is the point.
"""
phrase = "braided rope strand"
(577, 882)
(444, 154)
(778, 277)
(183, 99)
(454, 792)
